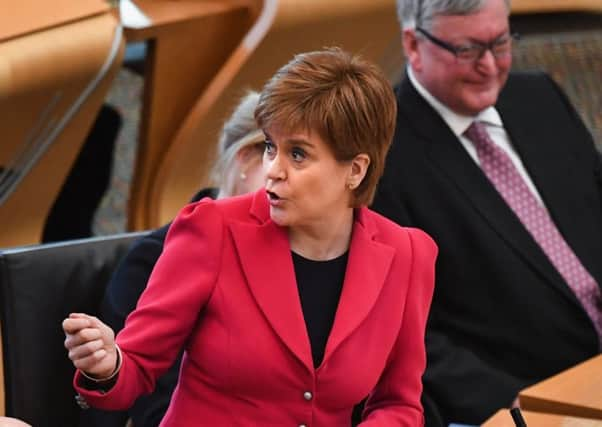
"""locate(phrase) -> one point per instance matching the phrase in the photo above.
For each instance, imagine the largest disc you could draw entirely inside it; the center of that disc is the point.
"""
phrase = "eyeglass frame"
(483, 47)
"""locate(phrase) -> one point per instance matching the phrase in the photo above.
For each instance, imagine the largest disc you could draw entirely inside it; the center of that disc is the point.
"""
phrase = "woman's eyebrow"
(299, 141)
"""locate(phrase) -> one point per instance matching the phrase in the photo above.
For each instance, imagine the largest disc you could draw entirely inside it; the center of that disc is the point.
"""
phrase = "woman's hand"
(12, 422)
(91, 345)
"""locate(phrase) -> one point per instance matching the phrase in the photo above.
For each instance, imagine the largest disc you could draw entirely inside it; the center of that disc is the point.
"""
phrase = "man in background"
(501, 171)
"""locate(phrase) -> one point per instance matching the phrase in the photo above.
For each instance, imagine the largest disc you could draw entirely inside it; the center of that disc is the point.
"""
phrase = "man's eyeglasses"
(471, 52)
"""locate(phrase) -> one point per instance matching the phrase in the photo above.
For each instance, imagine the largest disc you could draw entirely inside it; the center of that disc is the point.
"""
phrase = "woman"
(292, 303)
(238, 170)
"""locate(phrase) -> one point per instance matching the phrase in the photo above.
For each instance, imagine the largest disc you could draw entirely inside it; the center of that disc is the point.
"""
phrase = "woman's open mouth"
(274, 199)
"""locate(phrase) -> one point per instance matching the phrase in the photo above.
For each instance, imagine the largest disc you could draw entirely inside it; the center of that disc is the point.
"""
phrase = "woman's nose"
(275, 169)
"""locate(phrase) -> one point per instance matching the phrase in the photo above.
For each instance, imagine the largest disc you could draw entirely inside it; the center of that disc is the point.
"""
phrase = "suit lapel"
(367, 268)
(552, 169)
(264, 253)
(447, 154)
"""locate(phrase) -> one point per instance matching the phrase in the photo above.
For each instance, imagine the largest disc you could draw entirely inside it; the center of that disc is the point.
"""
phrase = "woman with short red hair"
(293, 303)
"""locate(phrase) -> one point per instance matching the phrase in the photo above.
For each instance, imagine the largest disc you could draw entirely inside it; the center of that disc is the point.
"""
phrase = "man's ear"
(410, 48)
(359, 168)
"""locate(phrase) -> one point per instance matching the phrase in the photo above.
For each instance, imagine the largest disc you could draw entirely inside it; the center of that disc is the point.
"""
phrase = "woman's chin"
(278, 217)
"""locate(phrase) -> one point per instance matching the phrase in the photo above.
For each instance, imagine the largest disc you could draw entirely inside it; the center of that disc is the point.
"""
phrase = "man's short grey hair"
(420, 13)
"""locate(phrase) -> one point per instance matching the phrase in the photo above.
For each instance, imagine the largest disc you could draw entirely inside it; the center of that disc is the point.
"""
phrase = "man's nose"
(487, 63)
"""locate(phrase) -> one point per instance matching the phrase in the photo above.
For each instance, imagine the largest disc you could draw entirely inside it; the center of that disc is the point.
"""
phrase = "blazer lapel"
(264, 253)
(447, 154)
(367, 268)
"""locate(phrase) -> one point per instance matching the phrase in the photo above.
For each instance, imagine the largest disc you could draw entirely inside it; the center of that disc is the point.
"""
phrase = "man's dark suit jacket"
(502, 317)
(122, 294)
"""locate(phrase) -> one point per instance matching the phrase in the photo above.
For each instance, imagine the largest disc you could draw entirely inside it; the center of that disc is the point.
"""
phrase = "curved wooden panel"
(574, 392)
(33, 16)
(52, 84)
(502, 418)
(189, 42)
(545, 6)
(284, 28)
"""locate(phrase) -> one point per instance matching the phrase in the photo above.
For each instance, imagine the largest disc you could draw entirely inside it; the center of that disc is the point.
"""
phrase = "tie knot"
(477, 134)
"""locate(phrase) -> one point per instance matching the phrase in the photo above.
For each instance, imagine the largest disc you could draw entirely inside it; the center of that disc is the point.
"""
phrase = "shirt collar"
(458, 123)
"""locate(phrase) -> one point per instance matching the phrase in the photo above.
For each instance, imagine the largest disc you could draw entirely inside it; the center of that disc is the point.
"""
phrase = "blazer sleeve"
(130, 279)
(396, 398)
(180, 286)
(123, 292)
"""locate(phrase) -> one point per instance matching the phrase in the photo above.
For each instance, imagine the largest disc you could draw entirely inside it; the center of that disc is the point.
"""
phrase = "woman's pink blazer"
(224, 289)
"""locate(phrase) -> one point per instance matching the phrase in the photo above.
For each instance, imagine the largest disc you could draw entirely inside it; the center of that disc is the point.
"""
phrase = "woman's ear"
(359, 168)
(244, 155)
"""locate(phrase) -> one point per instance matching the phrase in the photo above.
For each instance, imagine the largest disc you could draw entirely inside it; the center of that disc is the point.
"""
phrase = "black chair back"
(39, 286)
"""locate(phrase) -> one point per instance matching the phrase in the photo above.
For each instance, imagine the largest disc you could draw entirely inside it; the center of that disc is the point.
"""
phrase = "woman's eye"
(269, 147)
(298, 154)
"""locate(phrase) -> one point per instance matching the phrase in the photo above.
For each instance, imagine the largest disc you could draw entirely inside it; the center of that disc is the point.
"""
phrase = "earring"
(243, 176)
(350, 185)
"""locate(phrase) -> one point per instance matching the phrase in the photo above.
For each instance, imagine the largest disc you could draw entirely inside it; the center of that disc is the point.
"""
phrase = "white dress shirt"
(492, 121)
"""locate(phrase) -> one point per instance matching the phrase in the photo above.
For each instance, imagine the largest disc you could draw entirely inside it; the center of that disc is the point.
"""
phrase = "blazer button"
(302, 425)
(307, 395)
(81, 402)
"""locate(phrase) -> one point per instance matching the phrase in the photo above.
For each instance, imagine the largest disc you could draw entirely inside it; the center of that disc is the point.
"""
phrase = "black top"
(320, 284)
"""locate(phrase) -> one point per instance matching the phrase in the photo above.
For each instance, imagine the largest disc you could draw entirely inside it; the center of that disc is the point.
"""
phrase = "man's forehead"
(473, 24)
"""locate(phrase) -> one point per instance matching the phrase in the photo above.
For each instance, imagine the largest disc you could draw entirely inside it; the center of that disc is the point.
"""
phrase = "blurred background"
(184, 65)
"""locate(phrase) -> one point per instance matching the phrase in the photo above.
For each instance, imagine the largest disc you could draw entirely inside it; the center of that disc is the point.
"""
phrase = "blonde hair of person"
(239, 132)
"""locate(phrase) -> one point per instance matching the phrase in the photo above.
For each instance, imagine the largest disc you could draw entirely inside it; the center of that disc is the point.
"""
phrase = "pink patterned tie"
(498, 167)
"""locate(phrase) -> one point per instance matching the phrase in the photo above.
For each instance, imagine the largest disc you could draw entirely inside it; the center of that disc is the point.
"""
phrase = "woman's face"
(304, 182)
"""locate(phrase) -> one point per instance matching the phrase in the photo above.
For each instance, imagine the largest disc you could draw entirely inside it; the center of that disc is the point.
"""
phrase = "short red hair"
(344, 98)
